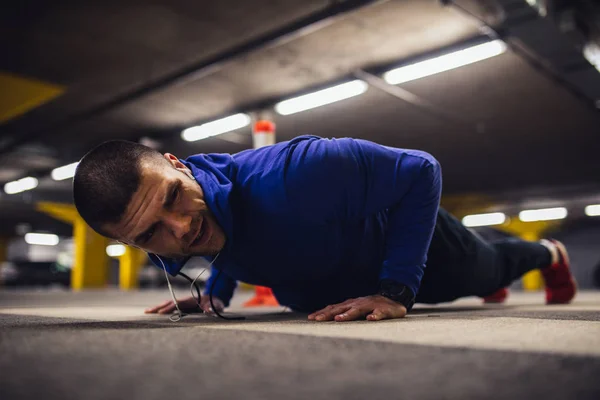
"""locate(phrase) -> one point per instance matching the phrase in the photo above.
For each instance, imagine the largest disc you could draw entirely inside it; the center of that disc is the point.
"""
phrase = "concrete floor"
(99, 344)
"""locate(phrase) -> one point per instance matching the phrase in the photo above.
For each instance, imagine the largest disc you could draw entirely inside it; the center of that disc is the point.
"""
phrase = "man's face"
(168, 215)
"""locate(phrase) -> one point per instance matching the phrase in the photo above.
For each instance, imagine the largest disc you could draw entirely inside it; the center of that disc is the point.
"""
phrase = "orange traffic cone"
(263, 297)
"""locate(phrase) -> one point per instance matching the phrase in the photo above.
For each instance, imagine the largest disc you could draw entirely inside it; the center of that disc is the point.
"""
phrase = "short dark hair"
(105, 181)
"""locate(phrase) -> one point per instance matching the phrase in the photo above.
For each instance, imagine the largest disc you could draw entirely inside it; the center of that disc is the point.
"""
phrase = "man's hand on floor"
(187, 305)
(375, 308)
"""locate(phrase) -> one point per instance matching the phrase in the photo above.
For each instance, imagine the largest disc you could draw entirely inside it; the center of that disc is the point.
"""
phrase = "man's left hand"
(375, 308)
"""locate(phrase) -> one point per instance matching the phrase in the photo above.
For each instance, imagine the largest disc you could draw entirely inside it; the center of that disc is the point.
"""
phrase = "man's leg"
(516, 257)
(461, 263)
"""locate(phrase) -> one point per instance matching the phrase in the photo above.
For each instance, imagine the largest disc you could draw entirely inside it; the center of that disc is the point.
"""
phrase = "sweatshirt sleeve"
(223, 286)
(341, 179)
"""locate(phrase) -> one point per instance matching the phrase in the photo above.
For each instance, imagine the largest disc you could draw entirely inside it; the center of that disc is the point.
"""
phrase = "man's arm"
(357, 178)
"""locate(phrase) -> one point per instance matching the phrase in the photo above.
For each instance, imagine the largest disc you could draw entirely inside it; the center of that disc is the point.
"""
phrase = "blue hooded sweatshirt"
(319, 220)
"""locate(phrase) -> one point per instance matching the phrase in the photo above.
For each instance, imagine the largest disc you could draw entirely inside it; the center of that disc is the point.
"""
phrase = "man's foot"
(560, 284)
(497, 297)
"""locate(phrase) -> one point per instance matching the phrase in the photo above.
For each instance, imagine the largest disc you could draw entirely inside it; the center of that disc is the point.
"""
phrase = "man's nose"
(179, 224)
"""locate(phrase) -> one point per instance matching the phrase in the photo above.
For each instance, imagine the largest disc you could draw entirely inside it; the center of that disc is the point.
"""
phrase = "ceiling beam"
(301, 27)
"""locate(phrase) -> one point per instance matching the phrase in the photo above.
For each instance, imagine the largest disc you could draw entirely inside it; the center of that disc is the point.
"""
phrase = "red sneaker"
(560, 284)
(497, 297)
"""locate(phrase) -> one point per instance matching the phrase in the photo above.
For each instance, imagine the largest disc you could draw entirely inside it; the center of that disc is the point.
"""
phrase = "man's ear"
(173, 160)
(178, 165)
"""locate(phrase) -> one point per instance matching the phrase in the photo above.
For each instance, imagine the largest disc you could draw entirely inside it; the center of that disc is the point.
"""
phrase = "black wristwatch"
(398, 292)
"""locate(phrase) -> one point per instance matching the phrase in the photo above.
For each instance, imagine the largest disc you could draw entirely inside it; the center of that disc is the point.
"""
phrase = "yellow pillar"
(531, 231)
(130, 265)
(90, 269)
(91, 262)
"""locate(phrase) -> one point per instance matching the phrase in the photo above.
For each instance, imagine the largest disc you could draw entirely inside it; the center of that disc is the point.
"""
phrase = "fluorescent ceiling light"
(592, 210)
(446, 62)
(42, 239)
(591, 52)
(115, 250)
(544, 214)
(216, 127)
(321, 97)
(488, 219)
(21, 185)
(65, 172)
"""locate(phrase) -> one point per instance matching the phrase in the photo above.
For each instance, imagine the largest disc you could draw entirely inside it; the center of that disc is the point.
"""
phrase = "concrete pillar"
(263, 134)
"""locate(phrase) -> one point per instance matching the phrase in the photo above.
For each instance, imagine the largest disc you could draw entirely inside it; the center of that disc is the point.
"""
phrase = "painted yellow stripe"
(19, 95)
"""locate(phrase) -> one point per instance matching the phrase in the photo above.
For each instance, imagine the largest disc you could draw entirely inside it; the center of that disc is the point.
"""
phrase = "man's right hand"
(187, 305)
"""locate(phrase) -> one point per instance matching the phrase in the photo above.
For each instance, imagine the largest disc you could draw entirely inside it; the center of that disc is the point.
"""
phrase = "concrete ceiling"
(537, 134)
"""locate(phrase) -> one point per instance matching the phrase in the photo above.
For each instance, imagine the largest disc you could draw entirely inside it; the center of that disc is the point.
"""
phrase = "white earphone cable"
(177, 317)
(192, 285)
